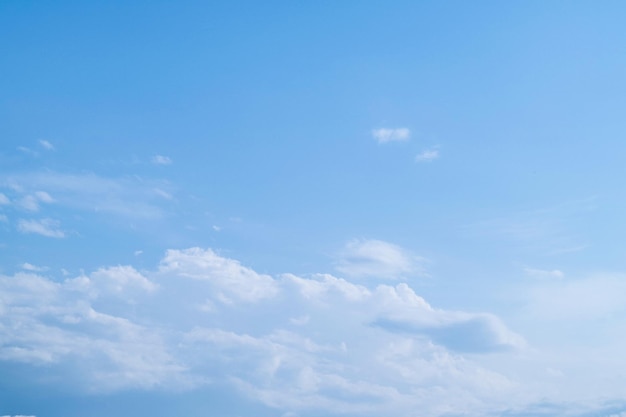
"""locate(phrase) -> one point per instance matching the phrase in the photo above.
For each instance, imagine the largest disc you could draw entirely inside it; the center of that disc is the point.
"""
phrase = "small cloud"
(300, 321)
(4, 200)
(31, 202)
(376, 258)
(44, 227)
(47, 145)
(163, 194)
(161, 160)
(216, 228)
(138, 252)
(3, 218)
(34, 268)
(385, 135)
(44, 197)
(427, 155)
(544, 273)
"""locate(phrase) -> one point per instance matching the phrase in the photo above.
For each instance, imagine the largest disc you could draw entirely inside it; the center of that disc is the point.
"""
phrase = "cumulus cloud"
(44, 227)
(377, 258)
(226, 275)
(290, 342)
(161, 160)
(385, 135)
(427, 155)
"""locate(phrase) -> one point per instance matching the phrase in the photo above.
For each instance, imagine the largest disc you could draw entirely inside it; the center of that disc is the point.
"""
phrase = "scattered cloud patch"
(3, 218)
(44, 227)
(31, 202)
(4, 200)
(386, 135)
(377, 258)
(427, 155)
(161, 160)
(46, 145)
(131, 197)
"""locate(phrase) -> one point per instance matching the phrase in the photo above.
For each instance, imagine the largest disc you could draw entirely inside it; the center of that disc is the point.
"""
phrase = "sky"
(303, 209)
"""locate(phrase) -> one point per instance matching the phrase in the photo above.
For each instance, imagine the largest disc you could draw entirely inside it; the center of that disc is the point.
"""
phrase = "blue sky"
(312, 209)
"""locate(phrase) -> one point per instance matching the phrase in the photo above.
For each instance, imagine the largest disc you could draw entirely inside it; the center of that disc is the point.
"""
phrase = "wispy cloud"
(161, 160)
(44, 227)
(46, 145)
(31, 202)
(377, 258)
(544, 273)
(385, 135)
(34, 268)
(427, 155)
(4, 200)
(132, 197)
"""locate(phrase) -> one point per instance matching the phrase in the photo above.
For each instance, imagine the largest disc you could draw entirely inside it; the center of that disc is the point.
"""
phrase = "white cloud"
(47, 145)
(161, 160)
(227, 275)
(4, 200)
(385, 135)
(320, 344)
(31, 202)
(34, 268)
(376, 258)
(3, 218)
(427, 155)
(44, 227)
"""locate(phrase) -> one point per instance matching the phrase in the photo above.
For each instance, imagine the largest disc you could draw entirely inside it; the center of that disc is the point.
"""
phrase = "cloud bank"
(296, 343)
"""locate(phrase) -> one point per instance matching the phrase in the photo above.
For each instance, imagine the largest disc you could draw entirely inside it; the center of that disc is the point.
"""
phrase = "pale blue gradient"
(128, 129)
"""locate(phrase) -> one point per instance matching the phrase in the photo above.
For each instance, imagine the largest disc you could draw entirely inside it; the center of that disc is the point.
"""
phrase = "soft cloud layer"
(377, 258)
(385, 135)
(291, 342)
